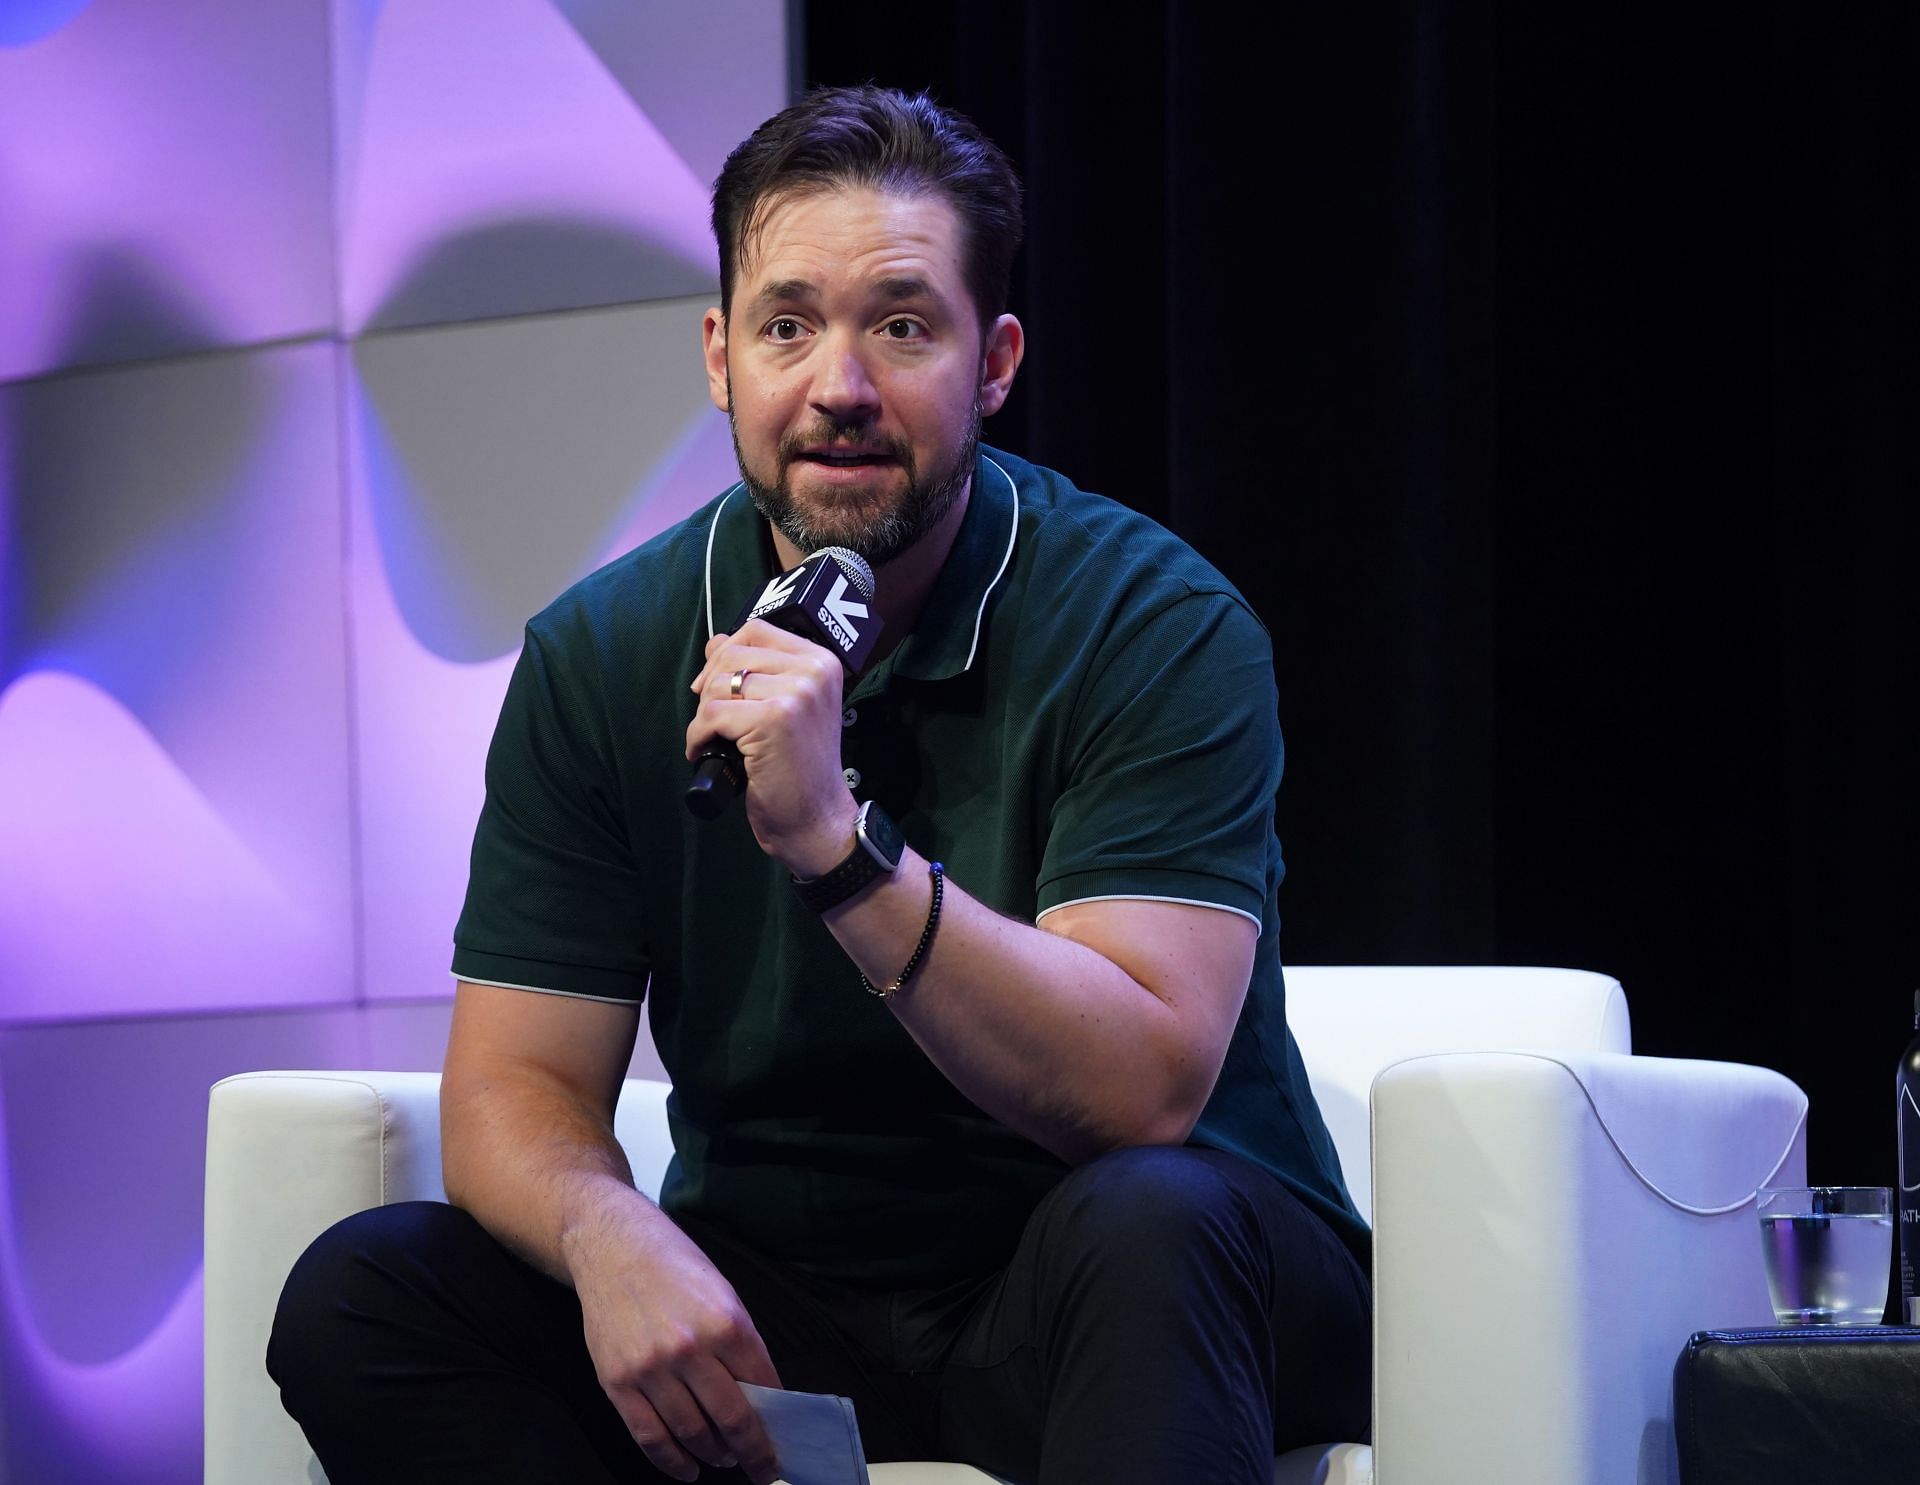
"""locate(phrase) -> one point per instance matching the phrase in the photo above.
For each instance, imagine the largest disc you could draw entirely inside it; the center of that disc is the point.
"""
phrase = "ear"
(713, 339)
(1006, 344)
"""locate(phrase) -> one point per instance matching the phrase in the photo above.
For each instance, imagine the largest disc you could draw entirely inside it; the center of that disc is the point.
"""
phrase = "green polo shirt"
(1085, 710)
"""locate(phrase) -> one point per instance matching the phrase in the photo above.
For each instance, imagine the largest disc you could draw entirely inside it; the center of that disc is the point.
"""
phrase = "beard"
(878, 527)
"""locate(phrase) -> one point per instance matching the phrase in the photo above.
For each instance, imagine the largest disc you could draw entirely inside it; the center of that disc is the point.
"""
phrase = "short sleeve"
(551, 892)
(1175, 759)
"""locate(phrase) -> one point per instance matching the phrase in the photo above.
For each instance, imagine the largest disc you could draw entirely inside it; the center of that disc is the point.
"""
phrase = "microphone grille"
(854, 566)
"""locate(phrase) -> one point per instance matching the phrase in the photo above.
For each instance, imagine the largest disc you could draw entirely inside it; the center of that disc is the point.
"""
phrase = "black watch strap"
(876, 852)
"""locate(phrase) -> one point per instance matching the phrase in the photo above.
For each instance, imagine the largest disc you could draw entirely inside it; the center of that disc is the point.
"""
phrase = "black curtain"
(1546, 378)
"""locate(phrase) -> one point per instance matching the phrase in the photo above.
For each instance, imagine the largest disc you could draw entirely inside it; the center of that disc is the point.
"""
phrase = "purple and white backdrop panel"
(487, 180)
(459, 438)
(293, 438)
(164, 177)
(173, 732)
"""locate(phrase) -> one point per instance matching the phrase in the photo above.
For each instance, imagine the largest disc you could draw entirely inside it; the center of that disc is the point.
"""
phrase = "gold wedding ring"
(737, 684)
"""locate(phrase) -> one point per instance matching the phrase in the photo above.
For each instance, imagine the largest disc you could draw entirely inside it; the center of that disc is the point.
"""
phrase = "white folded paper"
(814, 1433)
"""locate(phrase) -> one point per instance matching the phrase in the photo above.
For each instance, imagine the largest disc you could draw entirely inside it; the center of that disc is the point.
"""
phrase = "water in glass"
(1827, 1269)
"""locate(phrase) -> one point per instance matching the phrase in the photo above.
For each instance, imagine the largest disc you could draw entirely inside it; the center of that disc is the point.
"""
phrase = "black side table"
(1814, 1405)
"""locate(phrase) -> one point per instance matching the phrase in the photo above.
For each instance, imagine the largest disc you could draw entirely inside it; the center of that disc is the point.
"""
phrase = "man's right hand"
(527, 1146)
(671, 1344)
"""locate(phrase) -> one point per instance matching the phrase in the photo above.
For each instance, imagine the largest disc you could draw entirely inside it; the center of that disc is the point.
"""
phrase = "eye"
(785, 329)
(904, 329)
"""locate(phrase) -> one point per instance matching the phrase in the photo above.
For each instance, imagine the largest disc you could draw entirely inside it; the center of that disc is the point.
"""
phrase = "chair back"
(1352, 1021)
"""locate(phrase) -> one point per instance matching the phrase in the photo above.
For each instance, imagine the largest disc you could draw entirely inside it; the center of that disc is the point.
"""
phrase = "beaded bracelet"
(938, 873)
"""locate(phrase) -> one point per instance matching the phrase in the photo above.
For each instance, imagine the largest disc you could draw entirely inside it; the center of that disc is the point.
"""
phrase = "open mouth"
(852, 459)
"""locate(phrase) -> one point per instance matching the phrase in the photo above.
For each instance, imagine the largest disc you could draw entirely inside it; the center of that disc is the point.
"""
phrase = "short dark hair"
(889, 140)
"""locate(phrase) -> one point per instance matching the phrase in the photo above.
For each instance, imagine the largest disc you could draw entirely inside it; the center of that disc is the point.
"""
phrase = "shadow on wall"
(104, 508)
(557, 264)
(102, 1148)
(500, 457)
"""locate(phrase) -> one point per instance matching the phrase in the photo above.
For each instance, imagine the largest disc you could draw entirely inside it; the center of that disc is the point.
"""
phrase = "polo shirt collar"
(952, 625)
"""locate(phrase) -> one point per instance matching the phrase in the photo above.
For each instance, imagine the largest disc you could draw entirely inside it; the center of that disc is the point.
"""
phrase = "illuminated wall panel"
(164, 178)
(494, 164)
(670, 56)
(491, 465)
(103, 1142)
(103, 1129)
(293, 438)
(173, 729)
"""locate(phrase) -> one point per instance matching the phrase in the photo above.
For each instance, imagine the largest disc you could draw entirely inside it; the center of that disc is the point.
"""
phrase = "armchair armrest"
(288, 1155)
(1548, 1231)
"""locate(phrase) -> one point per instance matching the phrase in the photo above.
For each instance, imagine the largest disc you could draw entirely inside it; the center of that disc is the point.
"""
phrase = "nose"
(842, 390)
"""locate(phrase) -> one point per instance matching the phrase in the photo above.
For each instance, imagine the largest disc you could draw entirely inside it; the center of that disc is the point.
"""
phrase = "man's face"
(853, 370)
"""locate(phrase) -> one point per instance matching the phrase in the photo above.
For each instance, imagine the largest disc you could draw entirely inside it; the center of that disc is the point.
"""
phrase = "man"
(1055, 1198)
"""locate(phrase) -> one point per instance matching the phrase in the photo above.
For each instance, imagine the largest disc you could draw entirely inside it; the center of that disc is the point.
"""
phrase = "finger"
(652, 1435)
(755, 633)
(734, 1419)
(714, 641)
(767, 636)
(716, 676)
(746, 1358)
(680, 1410)
(718, 719)
(741, 654)
(760, 675)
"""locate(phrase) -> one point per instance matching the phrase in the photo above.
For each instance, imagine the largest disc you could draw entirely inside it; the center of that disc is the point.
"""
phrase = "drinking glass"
(1827, 1251)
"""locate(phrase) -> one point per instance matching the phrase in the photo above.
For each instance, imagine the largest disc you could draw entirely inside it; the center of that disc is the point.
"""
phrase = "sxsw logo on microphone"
(819, 602)
(837, 613)
(777, 592)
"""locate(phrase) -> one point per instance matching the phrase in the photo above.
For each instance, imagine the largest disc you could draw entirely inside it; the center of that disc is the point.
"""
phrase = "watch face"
(880, 835)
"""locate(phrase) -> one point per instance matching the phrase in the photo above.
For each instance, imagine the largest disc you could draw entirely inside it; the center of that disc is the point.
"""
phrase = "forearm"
(527, 1146)
(1047, 1035)
(538, 1168)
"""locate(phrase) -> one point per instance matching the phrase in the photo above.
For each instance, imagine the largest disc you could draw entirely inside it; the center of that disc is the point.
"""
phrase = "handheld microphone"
(825, 600)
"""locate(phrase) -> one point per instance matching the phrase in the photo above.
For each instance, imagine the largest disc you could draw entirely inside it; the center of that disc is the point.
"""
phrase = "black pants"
(1168, 1315)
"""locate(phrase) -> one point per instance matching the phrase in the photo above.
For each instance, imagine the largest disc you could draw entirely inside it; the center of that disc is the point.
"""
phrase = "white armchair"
(1552, 1220)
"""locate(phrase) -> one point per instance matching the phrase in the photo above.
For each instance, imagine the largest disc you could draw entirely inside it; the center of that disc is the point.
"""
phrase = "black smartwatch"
(877, 847)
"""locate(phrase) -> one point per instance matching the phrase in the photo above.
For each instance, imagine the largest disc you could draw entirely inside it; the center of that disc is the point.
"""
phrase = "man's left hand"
(786, 723)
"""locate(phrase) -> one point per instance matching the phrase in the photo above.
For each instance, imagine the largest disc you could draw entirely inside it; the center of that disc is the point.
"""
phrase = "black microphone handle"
(718, 779)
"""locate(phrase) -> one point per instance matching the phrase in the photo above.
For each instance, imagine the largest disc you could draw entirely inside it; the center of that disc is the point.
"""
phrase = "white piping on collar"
(1012, 531)
(738, 486)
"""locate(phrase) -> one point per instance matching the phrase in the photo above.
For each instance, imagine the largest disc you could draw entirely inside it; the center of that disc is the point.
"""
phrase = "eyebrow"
(784, 289)
(892, 290)
(895, 289)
